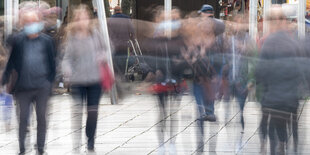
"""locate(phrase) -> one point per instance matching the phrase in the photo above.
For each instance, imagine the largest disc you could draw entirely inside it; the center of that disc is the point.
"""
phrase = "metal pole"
(253, 19)
(267, 5)
(103, 22)
(233, 58)
(301, 18)
(8, 18)
(15, 12)
(168, 8)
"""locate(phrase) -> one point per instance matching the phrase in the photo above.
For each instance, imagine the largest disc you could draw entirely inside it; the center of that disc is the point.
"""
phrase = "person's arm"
(52, 56)
(219, 27)
(10, 65)
(66, 62)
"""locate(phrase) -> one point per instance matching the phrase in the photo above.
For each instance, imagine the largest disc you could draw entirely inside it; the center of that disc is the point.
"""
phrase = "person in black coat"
(279, 72)
(33, 58)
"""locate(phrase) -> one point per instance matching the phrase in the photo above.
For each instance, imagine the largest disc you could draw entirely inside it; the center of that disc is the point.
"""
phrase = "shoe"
(161, 150)
(40, 151)
(281, 148)
(28, 129)
(21, 151)
(210, 118)
(91, 144)
(172, 149)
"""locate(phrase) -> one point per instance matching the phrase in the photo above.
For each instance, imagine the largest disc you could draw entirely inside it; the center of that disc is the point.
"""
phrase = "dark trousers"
(241, 95)
(264, 123)
(24, 100)
(204, 106)
(91, 95)
(277, 127)
(168, 104)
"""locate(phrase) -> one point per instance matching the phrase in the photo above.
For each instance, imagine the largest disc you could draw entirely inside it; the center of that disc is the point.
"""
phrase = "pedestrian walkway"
(131, 127)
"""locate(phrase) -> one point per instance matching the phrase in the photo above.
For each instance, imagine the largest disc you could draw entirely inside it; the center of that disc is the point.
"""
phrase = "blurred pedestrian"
(118, 13)
(278, 72)
(240, 76)
(167, 68)
(215, 57)
(121, 31)
(32, 57)
(199, 38)
(84, 51)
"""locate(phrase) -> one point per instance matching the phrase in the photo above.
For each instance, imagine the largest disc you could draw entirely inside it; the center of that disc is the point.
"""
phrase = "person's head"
(31, 22)
(117, 9)
(206, 11)
(81, 20)
(175, 14)
(168, 21)
(277, 19)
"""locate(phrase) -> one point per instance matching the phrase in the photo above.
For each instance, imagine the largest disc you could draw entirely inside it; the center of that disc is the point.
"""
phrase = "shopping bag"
(107, 77)
(169, 87)
(6, 105)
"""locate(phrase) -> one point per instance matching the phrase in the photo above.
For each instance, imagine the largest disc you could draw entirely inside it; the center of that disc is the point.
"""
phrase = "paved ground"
(131, 127)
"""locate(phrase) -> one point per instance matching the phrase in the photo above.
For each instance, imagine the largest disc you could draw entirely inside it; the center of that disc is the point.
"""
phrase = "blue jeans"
(205, 107)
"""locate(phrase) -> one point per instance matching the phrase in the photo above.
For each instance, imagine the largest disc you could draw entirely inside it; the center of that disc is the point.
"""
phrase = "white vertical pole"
(233, 58)
(253, 19)
(15, 12)
(168, 8)
(103, 22)
(267, 5)
(8, 20)
(301, 18)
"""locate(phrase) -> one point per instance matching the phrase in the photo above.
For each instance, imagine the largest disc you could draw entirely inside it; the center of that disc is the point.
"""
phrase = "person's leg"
(281, 128)
(93, 99)
(78, 95)
(241, 98)
(41, 99)
(209, 91)
(175, 100)
(209, 110)
(209, 107)
(162, 98)
(198, 93)
(24, 100)
(272, 130)
(263, 129)
(295, 129)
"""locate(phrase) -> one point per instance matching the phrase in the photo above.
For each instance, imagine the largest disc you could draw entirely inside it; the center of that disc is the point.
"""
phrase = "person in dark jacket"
(199, 39)
(279, 72)
(121, 30)
(118, 13)
(32, 57)
(215, 57)
(167, 66)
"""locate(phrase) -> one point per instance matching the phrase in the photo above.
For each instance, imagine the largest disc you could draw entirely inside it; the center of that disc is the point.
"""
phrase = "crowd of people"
(216, 60)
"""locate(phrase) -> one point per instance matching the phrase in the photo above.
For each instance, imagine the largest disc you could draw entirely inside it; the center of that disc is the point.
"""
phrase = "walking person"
(240, 75)
(215, 58)
(84, 52)
(167, 68)
(198, 40)
(33, 58)
(278, 71)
